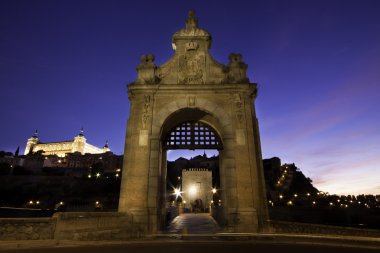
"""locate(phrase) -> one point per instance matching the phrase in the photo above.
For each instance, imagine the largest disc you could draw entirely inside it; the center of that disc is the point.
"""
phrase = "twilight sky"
(65, 65)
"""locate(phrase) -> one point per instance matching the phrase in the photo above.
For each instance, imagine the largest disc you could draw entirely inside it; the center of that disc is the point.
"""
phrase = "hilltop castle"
(62, 148)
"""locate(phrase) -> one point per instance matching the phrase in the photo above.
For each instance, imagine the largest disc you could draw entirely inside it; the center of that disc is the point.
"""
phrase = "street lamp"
(177, 193)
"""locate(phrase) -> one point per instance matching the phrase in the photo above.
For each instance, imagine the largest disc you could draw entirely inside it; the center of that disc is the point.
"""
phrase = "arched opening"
(191, 176)
(192, 135)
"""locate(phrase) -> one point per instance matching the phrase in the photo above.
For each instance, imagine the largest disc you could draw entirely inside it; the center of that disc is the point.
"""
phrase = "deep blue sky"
(65, 64)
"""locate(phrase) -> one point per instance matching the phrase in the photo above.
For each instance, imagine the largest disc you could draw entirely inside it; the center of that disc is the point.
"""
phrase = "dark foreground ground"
(193, 246)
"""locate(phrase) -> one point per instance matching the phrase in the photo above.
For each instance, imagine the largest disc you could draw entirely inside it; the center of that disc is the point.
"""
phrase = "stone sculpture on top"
(192, 64)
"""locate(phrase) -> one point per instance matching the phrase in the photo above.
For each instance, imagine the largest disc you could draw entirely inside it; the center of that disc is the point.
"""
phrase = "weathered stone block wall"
(72, 226)
(96, 226)
(27, 228)
(306, 228)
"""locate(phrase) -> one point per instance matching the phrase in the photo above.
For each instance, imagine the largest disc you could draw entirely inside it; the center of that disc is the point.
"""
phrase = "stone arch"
(213, 115)
(226, 98)
(206, 112)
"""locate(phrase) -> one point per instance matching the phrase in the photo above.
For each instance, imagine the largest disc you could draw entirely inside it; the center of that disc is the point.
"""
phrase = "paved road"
(193, 223)
(196, 246)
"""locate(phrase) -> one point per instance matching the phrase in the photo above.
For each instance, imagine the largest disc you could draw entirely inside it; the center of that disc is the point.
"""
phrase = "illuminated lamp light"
(177, 192)
(214, 190)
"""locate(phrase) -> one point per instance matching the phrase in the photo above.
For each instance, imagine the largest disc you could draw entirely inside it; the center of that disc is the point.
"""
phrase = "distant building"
(105, 161)
(174, 169)
(62, 148)
(197, 187)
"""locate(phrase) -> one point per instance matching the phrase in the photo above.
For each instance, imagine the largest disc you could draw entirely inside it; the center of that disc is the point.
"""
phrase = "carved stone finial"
(191, 21)
(146, 70)
(236, 69)
(147, 60)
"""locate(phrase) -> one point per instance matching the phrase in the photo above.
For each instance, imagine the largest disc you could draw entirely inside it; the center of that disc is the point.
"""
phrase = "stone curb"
(337, 241)
(343, 241)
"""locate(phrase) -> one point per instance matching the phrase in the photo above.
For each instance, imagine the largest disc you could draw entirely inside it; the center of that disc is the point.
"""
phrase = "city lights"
(214, 190)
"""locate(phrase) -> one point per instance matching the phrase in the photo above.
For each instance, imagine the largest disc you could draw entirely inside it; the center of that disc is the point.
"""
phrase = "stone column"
(134, 190)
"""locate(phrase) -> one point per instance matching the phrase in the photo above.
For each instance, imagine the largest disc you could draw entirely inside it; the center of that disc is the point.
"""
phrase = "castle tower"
(79, 143)
(31, 143)
(106, 148)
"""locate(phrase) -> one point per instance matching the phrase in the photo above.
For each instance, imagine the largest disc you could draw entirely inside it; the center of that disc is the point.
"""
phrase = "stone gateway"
(193, 89)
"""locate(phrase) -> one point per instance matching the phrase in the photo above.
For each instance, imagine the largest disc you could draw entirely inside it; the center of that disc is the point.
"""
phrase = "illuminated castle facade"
(197, 186)
(62, 148)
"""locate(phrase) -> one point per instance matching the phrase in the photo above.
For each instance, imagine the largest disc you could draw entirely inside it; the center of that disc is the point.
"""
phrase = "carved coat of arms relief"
(191, 68)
